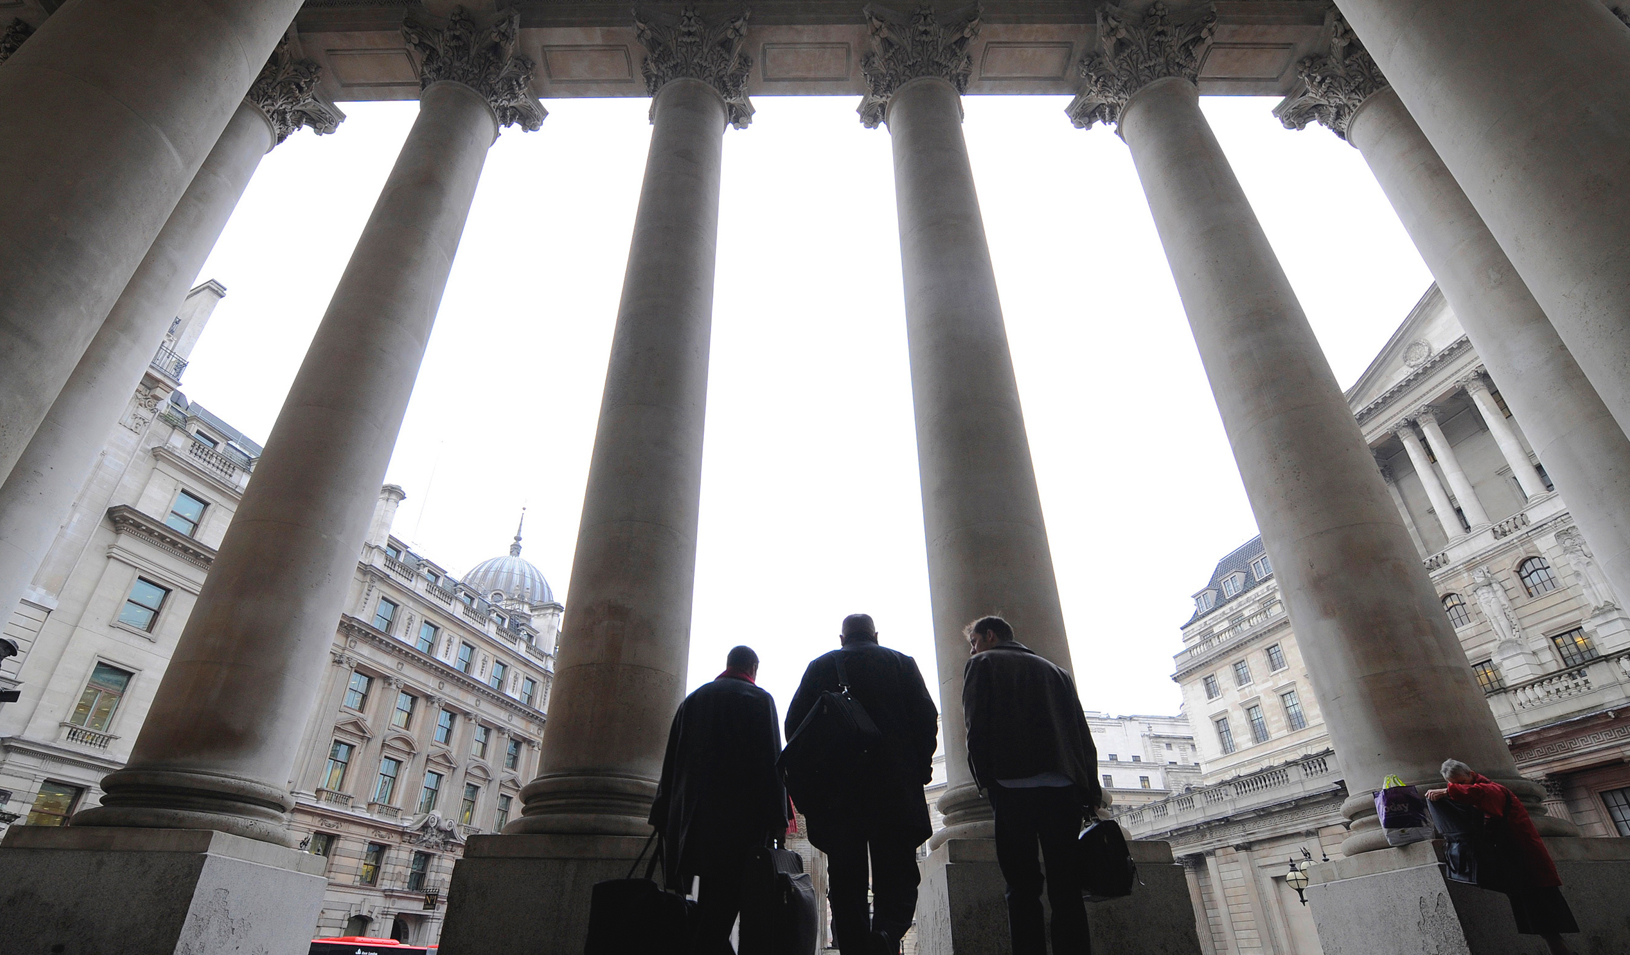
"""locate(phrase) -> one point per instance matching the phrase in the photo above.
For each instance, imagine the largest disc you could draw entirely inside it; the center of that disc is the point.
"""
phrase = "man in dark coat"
(1032, 755)
(721, 795)
(884, 813)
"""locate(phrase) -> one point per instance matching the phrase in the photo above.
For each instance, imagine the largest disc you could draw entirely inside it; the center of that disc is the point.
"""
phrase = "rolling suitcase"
(778, 915)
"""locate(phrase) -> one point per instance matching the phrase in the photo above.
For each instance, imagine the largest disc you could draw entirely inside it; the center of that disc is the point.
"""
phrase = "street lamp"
(1296, 878)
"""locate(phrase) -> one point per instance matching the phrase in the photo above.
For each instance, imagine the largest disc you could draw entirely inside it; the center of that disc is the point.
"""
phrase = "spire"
(515, 548)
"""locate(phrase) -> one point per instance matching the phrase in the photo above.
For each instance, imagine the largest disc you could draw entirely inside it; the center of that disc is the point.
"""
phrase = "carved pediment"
(354, 723)
(432, 831)
(478, 770)
(442, 758)
(402, 741)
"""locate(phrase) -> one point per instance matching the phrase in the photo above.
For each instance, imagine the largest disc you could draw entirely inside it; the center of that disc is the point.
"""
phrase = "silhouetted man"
(883, 813)
(1032, 755)
(720, 796)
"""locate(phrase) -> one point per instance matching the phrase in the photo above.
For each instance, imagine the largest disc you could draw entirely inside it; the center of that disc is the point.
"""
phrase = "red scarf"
(737, 675)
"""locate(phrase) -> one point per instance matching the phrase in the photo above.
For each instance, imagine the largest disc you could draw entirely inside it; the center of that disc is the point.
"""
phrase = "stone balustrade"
(86, 737)
(1587, 687)
(1312, 774)
(334, 798)
(1226, 637)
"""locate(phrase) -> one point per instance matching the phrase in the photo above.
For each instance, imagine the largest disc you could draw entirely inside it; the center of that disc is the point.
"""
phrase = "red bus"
(363, 945)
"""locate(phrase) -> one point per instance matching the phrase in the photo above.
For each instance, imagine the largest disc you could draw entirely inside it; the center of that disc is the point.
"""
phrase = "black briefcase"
(778, 915)
(1107, 869)
(629, 916)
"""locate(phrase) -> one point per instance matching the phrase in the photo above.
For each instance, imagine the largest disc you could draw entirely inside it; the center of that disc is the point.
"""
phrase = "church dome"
(511, 576)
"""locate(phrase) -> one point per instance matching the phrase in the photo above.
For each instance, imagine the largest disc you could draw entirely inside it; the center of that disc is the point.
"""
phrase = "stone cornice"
(286, 93)
(128, 520)
(1134, 52)
(12, 37)
(1333, 85)
(904, 49)
(1412, 379)
(688, 47)
(482, 59)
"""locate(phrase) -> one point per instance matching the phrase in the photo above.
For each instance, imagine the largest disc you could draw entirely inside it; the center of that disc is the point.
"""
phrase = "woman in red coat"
(1536, 898)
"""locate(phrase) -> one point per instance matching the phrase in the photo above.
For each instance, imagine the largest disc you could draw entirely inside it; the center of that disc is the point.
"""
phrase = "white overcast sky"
(810, 500)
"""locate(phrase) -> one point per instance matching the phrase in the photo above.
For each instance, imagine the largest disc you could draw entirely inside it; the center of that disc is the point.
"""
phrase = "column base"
(530, 892)
(1398, 900)
(95, 891)
(961, 908)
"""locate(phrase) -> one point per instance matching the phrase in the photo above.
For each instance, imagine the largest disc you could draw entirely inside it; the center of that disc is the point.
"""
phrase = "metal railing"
(169, 364)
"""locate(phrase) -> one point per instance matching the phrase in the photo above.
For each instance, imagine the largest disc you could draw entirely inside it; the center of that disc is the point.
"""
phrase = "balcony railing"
(86, 737)
(212, 458)
(1511, 525)
(446, 594)
(380, 809)
(399, 568)
(336, 798)
(169, 364)
(1269, 614)
(1311, 774)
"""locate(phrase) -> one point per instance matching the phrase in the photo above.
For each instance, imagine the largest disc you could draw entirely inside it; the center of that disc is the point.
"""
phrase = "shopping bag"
(1400, 806)
(632, 915)
(778, 913)
(1107, 869)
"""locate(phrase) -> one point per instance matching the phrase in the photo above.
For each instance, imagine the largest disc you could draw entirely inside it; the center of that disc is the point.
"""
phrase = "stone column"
(1575, 435)
(1393, 680)
(1403, 509)
(1435, 493)
(64, 450)
(220, 740)
(106, 114)
(1528, 104)
(1510, 448)
(626, 649)
(987, 542)
(1427, 418)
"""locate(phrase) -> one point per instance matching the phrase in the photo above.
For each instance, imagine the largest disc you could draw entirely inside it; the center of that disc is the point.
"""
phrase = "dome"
(515, 578)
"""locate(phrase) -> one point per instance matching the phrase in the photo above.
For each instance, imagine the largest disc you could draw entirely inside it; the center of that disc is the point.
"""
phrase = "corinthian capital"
(484, 59)
(1333, 85)
(1134, 52)
(12, 37)
(905, 49)
(688, 47)
(286, 93)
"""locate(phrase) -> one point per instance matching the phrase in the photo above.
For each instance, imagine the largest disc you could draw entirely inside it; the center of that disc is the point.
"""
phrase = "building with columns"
(123, 144)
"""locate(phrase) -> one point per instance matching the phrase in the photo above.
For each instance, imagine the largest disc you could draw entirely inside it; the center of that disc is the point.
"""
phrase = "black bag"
(1473, 848)
(633, 915)
(1107, 869)
(829, 749)
(778, 915)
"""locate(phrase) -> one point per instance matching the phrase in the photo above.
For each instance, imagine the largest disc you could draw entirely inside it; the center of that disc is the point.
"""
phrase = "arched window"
(1536, 577)
(1455, 606)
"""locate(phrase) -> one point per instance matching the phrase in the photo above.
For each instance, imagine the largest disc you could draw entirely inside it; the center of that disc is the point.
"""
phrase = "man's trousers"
(894, 879)
(1051, 816)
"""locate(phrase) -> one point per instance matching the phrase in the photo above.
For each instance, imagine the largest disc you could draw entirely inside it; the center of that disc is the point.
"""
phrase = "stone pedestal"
(1433, 914)
(961, 910)
(92, 891)
(516, 874)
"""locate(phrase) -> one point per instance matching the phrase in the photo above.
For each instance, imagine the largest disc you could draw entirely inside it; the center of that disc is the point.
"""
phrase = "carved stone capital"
(12, 37)
(484, 59)
(1134, 51)
(286, 94)
(1333, 85)
(1425, 414)
(908, 48)
(344, 661)
(689, 47)
(1474, 383)
(1618, 10)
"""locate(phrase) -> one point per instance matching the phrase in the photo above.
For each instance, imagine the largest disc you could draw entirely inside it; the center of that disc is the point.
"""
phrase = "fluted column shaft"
(1456, 475)
(987, 543)
(1435, 493)
(64, 449)
(1392, 678)
(624, 653)
(106, 114)
(219, 743)
(1510, 448)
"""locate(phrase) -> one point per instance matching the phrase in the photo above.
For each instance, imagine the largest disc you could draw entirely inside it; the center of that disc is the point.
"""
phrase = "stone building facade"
(1144, 758)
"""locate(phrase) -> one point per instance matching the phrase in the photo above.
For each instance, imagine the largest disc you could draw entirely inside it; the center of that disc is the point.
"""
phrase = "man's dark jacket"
(889, 790)
(720, 792)
(1024, 718)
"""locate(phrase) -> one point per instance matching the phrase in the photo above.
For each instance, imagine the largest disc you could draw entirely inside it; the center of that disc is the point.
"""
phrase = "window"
(1260, 567)
(1276, 658)
(142, 606)
(432, 789)
(1574, 647)
(206, 440)
(444, 728)
(1488, 677)
(1109, 781)
(466, 812)
(1213, 689)
(356, 695)
(512, 755)
(320, 844)
(1242, 674)
(339, 759)
(417, 870)
(403, 717)
(1499, 402)
(1113, 758)
(53, 804)
(427, 638)
(433, 577)
(1293, 710)
(1205, 601)
(500, 819)
(480, 735)
(466, 657)
(529, 690)
(1168, 746)
(1536, 577)
(1137, 759)
(1144, 782)
(372, 859)
(499, 671)
(1455, 606)
(1259, 724)
(1618, 809)
(384, 614)
(101, 697)
(185, 514)
(385, 789)
(392, 551)
(1225, 736)
(1232, 585)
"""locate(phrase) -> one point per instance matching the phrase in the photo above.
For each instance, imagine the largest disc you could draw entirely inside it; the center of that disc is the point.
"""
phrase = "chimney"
(384, 514)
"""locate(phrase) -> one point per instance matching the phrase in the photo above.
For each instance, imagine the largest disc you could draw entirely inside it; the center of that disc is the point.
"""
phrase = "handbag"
(633, 915)
(1107, 869)
(829, 748)
(778, 913)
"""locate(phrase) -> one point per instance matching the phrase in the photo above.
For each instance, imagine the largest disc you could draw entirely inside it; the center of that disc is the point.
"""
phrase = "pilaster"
(916, 47)
(688, 47)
